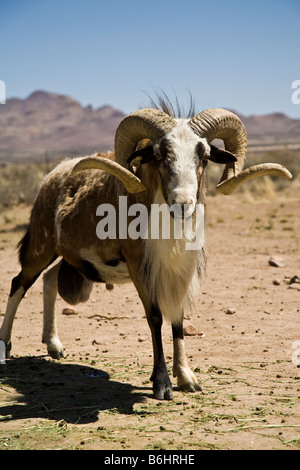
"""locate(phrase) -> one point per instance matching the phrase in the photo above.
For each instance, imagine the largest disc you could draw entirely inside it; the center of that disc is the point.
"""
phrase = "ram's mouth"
(181, 213)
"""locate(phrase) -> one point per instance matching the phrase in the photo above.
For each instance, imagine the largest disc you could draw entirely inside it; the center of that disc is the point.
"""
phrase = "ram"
(159, 159)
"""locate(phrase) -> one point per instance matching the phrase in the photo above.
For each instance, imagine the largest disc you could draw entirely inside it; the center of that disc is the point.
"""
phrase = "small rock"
(109, 286)
(276, 282)
(189, 329)
(69, 311)
(294, 279)
(230, 311)
(276, 261)
(141, 339)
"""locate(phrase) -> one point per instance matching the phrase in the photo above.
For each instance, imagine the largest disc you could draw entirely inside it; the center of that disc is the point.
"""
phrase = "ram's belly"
(112, 271)
(117, 274)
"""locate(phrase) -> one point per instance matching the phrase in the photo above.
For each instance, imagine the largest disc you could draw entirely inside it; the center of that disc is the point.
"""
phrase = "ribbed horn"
(130, 181)
(143, 124)
(274, 169)
(219, 123)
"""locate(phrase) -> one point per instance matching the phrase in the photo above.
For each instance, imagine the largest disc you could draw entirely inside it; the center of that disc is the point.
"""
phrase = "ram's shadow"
(72, 392)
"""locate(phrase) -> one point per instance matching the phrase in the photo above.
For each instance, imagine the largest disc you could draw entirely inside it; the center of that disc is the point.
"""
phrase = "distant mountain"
(276, 128)
(49, 122)
(52, 123)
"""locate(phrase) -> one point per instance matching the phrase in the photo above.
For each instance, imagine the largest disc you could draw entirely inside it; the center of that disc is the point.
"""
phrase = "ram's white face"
(181, 157)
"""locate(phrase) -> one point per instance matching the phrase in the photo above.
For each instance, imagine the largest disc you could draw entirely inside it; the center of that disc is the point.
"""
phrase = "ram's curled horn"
(274, 169)
(143, 124)
(130, 181)
(222, 124)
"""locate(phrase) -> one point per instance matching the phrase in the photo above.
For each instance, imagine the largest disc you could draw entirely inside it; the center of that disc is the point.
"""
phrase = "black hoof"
(162, 387)
(164, 393)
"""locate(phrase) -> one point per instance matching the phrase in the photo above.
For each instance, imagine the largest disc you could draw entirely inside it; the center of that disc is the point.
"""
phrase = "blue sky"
(234, 54)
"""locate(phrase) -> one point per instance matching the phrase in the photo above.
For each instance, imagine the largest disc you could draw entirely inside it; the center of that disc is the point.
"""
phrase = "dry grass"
(89, 418)
(19, 183)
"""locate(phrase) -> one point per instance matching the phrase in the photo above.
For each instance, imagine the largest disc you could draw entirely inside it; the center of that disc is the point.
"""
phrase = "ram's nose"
(183, 207)
(181, 201)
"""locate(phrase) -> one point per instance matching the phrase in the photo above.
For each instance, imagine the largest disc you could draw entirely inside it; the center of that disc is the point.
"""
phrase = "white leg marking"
(50, 336)
(11, 308)
(186, 379)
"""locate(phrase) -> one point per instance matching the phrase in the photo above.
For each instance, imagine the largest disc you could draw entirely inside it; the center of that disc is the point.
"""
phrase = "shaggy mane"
(175, 110)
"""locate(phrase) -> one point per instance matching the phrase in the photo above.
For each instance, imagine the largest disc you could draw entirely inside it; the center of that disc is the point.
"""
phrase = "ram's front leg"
(186, 379)
(162, 387)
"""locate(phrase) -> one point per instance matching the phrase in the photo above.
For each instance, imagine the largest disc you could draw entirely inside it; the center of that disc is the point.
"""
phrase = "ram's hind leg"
(19, 286)
(186, 379)
(50, 336)
(33, 261)
(17, 292)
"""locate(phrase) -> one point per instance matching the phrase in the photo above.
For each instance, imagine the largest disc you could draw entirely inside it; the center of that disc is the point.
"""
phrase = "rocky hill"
(275, 128)
(49, 123)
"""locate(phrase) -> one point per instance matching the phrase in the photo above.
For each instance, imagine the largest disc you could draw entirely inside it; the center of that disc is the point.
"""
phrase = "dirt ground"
(99, 396)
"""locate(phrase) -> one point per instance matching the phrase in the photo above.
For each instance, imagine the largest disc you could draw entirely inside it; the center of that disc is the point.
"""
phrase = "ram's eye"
(158, 155)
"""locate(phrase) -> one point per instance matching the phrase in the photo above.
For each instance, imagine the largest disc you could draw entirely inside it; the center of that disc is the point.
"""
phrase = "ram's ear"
(139, 157)
(220, 155)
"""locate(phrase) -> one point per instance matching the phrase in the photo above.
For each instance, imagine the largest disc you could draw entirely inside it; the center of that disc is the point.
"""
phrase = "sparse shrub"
(19, 184)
